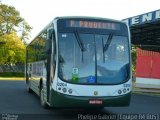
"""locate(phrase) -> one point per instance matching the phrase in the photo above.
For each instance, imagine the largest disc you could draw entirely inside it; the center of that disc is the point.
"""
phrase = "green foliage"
(133, 52)
(11, 21)
(13, 30)
(12, 50)
(11, 74)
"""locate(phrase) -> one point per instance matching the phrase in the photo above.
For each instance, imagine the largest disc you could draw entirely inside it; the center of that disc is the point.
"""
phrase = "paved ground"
(16, 103)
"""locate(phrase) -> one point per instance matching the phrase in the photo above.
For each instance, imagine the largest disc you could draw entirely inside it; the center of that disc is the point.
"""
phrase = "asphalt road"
(17, 104)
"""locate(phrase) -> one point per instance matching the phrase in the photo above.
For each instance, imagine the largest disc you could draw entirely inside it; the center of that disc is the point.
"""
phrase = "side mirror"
(49, 41)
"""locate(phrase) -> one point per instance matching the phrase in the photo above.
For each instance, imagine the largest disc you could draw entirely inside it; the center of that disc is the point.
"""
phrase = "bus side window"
(42, 42)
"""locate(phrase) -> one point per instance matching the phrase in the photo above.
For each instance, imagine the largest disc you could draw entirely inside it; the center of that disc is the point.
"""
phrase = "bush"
(11, 74)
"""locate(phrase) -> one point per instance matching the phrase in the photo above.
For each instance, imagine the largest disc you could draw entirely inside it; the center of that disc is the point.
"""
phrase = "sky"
(38, 13)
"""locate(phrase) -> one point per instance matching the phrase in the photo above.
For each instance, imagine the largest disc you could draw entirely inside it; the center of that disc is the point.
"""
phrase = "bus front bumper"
(62, 100)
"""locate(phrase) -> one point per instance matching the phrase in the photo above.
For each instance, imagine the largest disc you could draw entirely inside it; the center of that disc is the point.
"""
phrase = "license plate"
(96, 102)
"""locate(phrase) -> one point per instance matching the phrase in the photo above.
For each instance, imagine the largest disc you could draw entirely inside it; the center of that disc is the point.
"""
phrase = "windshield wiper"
(80, 43)
(106, 46)
(103, 50)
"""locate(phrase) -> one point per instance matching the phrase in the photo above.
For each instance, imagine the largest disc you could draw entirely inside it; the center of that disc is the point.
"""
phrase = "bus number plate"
(96, 101)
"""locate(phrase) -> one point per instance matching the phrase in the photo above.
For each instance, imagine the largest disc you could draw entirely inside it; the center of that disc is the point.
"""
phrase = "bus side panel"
(36, 61)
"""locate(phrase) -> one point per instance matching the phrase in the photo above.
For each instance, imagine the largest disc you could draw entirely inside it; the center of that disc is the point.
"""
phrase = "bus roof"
(74, 17)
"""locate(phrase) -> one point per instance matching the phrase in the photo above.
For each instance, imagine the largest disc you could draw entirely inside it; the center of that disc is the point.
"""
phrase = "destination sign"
(92, 24)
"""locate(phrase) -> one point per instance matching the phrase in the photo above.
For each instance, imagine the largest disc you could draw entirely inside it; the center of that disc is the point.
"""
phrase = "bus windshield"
(93, 58)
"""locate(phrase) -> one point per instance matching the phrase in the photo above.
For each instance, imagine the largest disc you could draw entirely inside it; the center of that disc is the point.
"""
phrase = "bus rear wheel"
(43, 102)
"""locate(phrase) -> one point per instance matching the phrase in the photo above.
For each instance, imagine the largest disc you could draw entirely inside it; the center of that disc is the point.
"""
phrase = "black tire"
(42, 101)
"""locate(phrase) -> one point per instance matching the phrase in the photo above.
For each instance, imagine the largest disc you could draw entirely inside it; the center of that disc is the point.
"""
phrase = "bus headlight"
(127, 89)
(124, 90)
(64, 90)
(59, 88)
(119, 91)
(70, 91)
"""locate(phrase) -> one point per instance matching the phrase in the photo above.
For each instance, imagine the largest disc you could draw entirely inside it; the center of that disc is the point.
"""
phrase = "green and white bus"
(81, 62)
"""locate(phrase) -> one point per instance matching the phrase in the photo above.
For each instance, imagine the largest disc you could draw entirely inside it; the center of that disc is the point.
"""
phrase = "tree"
(11, 21)
(12, 50)
(133, 51)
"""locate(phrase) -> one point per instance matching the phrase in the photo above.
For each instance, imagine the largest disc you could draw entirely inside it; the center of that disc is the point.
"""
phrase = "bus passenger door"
(50, 61)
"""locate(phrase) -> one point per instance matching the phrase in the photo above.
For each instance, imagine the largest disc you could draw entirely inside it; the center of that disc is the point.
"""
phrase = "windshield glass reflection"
(93, 65)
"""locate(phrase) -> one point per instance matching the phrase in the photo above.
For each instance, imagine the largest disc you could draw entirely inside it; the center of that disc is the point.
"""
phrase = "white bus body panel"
(89, 90)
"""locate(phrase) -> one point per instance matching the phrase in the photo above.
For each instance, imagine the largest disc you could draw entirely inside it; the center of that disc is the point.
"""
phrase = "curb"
(146, 88)
(147, 91)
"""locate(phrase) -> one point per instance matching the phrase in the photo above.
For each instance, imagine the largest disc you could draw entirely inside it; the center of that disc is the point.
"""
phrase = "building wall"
(147, 66)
